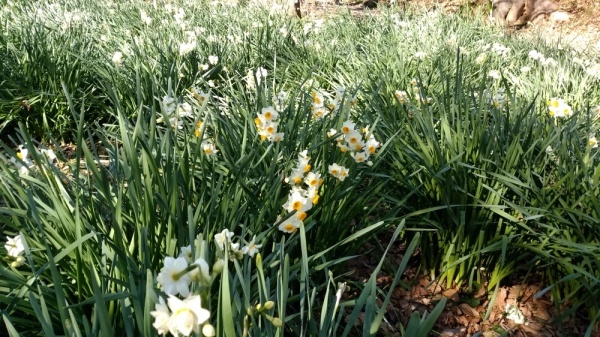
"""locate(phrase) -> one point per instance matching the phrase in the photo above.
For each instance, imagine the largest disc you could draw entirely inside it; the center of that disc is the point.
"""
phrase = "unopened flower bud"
(19, 261)
(269, 305)
(276, 321)
(239, 255)
(208, 330)
(259, 261)
(218, 266)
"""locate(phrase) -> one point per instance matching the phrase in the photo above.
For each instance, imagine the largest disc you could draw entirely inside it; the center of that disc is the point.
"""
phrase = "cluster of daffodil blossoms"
(545, 61)
(338, 171)
(187, 280)
(254, 79)
(14, 249)
(497, 100)
(318, 108)
(349, 139)
(302, 197)
(24, 163)
(305, 184)
(557, 107)
(402, 96)
(266, 123)
(177, 113)
(495, 48)
(590, 66)
(266, 120)
(360, 144)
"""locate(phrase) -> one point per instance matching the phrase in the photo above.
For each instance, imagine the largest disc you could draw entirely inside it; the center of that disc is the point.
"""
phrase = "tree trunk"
(297, 8)
(519, 12)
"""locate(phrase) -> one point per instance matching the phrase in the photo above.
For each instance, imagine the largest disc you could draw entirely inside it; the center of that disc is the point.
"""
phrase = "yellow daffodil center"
(302, 216)
(297, 205)
(315, 200)
(345, 129)
(334, 172)
(307, 168)
(290, 228)
(208, 151)
(297, 180)
(268, 115)
(185, 312)
(19, 155)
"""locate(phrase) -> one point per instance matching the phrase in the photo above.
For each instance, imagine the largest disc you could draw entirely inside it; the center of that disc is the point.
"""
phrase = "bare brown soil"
(577, 23)
(581, 31)
(466, 309)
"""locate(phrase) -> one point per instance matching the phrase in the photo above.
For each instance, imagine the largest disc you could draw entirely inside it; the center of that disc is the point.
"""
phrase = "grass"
(469, 165)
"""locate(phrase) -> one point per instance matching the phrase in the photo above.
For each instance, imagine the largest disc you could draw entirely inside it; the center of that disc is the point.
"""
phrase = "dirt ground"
(465, 311)
(577, 23)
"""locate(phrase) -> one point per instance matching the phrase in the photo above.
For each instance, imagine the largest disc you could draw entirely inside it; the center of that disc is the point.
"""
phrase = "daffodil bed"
(230, 160)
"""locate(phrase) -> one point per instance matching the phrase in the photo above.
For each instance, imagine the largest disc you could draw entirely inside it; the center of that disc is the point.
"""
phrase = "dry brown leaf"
(463, 320)
(468, 310)
(541, 314)
(458, 332)
(404, 304)
(482, 291)
(447, 318)
(452, 294)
